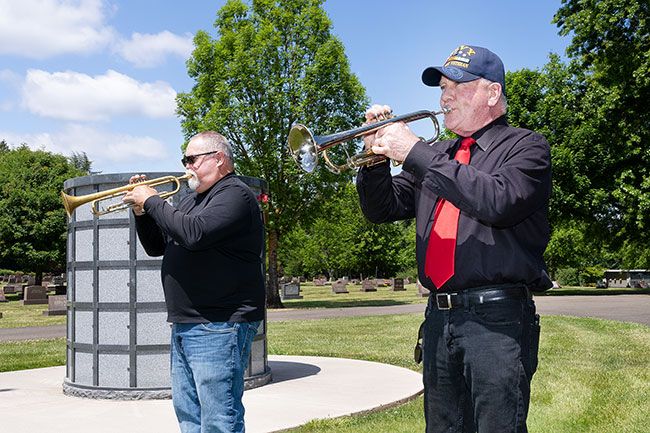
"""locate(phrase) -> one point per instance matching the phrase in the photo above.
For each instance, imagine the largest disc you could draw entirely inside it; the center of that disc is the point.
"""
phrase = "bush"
(568, 277)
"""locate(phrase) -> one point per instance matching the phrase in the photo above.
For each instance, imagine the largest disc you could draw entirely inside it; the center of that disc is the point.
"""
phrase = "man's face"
(469, 105)
(204, 167)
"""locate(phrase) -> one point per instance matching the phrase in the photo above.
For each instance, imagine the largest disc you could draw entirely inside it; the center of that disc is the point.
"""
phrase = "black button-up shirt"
(502, 194)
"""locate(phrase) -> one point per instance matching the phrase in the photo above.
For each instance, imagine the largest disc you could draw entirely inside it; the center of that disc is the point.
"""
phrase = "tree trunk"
(38, 279)
(272, 287)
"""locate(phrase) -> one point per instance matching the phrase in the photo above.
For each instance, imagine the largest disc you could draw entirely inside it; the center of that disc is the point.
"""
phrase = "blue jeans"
(478, 364)
(208, 361)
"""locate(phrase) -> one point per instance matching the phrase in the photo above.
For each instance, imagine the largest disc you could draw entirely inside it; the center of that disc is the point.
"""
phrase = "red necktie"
(439, 261)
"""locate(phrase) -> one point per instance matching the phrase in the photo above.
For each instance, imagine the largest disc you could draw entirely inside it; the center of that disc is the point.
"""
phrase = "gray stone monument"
(117, 334)
(423, 292)
(34, 295)
(368, 285)
(56, 305)
(397, 285)
(340, 286)
(290, 291)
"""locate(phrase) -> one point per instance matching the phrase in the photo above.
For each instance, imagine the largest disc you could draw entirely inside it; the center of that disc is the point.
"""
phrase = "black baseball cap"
(468, 63)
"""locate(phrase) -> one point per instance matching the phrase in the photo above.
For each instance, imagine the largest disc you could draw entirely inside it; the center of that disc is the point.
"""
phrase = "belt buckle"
(446, 297)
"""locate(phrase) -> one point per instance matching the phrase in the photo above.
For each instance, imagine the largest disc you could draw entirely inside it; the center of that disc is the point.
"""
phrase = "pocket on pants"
(535, 330)
(505, 312)
(219, 327)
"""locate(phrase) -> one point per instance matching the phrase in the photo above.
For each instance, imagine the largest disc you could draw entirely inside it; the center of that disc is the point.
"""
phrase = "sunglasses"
(191, 159)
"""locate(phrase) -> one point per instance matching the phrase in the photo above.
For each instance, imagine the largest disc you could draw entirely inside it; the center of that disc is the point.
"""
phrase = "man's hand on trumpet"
(138, 195)
(394, 140)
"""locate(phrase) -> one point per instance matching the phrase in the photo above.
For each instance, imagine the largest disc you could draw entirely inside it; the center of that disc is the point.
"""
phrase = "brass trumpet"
(71, 202)
(305, 146)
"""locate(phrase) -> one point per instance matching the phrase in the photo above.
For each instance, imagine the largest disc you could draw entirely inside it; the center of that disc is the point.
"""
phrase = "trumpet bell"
(303, 147)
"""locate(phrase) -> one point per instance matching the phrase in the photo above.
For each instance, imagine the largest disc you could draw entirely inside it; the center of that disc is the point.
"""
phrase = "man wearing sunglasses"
(212, 247)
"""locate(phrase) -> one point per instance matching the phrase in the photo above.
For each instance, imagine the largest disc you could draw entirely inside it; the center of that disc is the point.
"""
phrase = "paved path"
(625, 308)
(303, 388)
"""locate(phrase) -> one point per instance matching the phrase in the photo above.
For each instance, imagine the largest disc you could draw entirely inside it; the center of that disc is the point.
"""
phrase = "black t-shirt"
(212, 244)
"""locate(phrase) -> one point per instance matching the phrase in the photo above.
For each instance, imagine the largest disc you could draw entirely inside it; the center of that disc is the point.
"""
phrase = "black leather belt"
(447, 301)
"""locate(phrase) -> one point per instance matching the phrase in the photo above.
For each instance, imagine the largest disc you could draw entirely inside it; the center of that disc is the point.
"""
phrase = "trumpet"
(71, 202)
(305, 146)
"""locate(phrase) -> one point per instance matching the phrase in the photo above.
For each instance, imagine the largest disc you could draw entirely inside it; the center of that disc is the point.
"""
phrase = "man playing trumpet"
(212, 276)
(480, 204)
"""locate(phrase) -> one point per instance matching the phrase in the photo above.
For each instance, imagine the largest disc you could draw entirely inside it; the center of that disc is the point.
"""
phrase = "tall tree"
(609, 56)
(33, 229)
(274, 62)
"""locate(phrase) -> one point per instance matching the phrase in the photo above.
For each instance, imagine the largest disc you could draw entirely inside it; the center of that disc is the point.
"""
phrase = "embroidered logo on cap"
(461, 57)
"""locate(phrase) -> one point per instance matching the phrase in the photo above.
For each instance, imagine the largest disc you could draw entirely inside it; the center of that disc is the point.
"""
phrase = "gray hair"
(211, 140)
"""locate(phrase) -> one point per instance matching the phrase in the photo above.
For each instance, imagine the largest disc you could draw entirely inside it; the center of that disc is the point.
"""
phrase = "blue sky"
(100, 76)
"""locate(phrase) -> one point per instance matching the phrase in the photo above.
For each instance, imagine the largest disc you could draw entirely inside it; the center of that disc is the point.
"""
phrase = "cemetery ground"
(593, 374)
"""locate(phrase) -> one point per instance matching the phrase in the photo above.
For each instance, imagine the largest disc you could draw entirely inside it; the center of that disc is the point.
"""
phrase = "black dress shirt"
(502, 194)
(213, 249)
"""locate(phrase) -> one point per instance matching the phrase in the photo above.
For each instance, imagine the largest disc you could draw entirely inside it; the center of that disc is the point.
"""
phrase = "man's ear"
(494, 94)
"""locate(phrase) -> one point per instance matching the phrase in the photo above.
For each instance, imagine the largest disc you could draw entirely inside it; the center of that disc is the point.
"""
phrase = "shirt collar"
(485, 136)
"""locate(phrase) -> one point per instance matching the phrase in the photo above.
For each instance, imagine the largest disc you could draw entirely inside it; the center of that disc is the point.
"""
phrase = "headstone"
(354, 281)
(368, 286)
(397, 285)
(339, 286)
(422, 291)
(35, 295)
(56, 305)
(319, 281)
(380, 282)
(290, 291)
(2, 295)
(58, 285)
(13, 279)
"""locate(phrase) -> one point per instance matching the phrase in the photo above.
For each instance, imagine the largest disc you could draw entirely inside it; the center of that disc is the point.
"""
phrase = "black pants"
(478, 363)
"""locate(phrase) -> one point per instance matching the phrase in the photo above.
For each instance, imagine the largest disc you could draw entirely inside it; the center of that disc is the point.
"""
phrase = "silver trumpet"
(305, 146)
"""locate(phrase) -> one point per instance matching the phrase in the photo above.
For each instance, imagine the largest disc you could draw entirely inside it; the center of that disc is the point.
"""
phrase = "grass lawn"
(16, 315)
(322, 297)
(594, 375)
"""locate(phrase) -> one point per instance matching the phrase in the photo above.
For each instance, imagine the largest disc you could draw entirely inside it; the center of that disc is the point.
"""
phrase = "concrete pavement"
(303, 388)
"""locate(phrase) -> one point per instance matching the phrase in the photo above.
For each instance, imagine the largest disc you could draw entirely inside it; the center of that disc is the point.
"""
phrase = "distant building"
(639, 278)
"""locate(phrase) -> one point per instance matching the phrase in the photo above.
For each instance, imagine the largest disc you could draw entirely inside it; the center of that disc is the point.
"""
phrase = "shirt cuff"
(151, 202)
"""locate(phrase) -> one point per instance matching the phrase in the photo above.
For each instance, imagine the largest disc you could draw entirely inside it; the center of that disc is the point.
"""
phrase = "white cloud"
(147, 50)
(79, 97)
(102, 147)
(45, 28)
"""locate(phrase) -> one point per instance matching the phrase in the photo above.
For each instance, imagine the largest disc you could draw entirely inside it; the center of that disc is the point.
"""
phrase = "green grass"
(23, 355)
(322, 297)
(593, 377)
(16, 315)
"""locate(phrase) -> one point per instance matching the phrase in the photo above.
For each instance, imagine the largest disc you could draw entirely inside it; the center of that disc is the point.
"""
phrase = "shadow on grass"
(343, 303)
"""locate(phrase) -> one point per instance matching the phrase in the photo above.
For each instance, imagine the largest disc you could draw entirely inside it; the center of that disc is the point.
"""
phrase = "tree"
(274, 63)
(341, 241)
(609, 57)
(33, 229)
(80, 161)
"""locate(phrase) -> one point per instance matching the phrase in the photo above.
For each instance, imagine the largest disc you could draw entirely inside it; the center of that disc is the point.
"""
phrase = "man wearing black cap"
(480, 204)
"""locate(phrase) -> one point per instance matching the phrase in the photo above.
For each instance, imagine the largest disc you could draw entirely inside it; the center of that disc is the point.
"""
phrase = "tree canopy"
(33, 228)
(272, 64)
